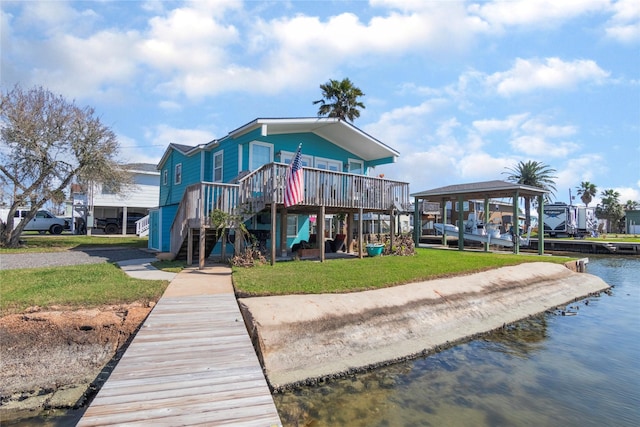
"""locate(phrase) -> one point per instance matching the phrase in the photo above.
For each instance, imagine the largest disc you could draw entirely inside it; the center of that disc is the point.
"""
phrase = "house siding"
(167, 213)
(142, 194)
(172, 192)
(154, 230)
(312, 145)
(632, 221)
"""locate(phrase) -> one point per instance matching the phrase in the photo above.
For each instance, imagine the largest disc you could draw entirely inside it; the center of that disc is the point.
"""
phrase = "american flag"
(294, 191)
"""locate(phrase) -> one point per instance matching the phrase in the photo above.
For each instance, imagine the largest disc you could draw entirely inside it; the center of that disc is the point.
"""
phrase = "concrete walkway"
(191, 363)
(142, 269)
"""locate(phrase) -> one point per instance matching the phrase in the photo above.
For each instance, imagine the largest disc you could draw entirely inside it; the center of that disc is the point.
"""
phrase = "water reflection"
(548, 370)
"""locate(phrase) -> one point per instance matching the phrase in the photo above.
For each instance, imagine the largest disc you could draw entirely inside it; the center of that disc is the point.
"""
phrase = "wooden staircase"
(211, 239)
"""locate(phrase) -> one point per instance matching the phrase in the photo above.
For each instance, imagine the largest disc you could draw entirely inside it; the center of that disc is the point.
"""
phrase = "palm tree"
(587, 192)
(340, 99)
(610, 209)
(631, 205)
(534, 174)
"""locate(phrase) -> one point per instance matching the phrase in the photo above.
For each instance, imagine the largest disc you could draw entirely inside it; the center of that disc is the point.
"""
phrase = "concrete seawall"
(305, 337)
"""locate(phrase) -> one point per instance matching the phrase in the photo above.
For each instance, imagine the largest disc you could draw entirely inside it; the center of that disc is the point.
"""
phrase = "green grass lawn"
(349, 275)
(100, 284)
(74, 286)
(63, 242)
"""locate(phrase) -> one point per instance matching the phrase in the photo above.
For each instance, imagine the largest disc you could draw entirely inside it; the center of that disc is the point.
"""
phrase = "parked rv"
(562, 220)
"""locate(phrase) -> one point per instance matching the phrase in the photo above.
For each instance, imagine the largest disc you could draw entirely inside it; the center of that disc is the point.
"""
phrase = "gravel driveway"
(70, 257)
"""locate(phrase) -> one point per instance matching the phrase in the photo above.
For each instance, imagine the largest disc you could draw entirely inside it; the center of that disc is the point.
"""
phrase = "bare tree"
(45, 143)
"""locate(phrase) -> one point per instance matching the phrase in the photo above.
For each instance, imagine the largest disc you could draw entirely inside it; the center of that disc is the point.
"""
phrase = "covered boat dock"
(486, 190)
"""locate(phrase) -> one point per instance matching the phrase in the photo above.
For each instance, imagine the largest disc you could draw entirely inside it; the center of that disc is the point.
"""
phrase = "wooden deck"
(192, 363)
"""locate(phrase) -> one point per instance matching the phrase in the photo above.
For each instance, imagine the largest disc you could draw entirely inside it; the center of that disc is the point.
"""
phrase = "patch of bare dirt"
(58, 358)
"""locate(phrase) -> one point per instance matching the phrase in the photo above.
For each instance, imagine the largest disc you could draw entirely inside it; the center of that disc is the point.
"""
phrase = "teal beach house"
(245, 174)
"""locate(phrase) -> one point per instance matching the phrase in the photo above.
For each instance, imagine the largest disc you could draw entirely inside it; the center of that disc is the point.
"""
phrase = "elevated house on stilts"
(244, 174)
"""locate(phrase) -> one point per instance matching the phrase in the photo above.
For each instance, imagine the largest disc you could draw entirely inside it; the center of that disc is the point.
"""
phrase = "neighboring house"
(244, 174)
(101, 201)
(632, 222)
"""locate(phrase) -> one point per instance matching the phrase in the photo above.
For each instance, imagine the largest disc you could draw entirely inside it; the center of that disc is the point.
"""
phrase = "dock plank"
(191, 363)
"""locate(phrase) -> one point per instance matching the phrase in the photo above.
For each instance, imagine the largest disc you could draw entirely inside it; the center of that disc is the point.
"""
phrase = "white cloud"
(628, 193)
(481, 166)
(500, 14)
(575, 169)
(164, 135)
(540, 147)
(133, 152)
(511, 123)
(204, 48)
(81, 68)
(529, 75)
(624, 25)
(170, 106)
(55, 17)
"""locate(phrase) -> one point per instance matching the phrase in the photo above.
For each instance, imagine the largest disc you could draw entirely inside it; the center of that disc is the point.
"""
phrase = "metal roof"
(483, 189)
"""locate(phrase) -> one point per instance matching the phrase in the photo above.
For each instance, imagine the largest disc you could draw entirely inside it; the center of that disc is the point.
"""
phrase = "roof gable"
(336, 131)
(186, 150)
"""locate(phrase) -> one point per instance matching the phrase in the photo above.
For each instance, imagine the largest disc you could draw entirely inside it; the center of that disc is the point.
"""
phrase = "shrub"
(403, 246)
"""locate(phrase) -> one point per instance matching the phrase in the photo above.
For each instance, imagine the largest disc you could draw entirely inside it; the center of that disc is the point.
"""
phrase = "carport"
(486, 190)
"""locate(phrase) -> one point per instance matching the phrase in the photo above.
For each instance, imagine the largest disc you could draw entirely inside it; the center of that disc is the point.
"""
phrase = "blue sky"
(462, 90)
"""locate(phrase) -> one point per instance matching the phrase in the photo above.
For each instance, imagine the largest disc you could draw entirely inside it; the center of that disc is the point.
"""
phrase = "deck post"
(274, 212)
(540, 225)
(201, 246)
(515, 224)
(486, 222)
(283, 232)
(360, 239)
(237, 241)
(460, 223)
(349, 240)
(444, 221)
(392, 227)
(417, 222)
(190, 246)
(203, 231)
(320, 239)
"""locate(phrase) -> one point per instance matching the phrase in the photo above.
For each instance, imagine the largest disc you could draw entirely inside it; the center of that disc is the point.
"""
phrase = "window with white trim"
(177, 176)
(356, 166)
(165, 177)
(217, 166)
(328, 164)
(287, 157)
(292, 225)
(260, 153)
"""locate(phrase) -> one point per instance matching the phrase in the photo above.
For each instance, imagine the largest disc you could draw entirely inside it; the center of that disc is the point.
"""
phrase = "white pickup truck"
(43, 221)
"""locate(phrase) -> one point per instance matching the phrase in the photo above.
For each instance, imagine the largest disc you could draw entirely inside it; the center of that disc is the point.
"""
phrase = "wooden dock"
(191, 363)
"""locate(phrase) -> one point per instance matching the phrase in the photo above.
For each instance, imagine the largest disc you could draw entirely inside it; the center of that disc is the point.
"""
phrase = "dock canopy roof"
(479, 190)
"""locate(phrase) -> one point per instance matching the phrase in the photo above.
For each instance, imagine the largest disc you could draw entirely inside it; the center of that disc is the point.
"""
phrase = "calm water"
(554, 370)
(580, 370)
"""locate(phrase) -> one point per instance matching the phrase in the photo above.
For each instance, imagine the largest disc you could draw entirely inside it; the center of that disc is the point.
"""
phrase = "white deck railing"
(142, 226)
